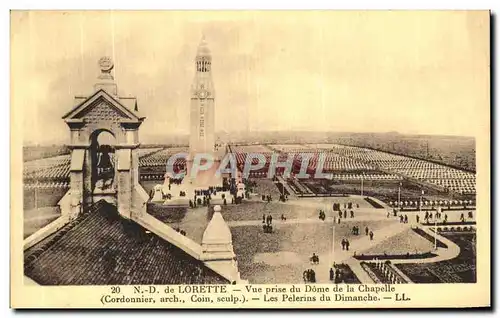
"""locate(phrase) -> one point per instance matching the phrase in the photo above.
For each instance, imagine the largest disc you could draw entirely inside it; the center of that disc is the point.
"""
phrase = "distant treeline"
(40, 152)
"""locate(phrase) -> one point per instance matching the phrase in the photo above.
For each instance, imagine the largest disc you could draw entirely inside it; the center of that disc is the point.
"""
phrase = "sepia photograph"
(318, 149)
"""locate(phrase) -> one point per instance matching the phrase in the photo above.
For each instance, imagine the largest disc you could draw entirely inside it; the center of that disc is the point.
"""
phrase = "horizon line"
(150, 136)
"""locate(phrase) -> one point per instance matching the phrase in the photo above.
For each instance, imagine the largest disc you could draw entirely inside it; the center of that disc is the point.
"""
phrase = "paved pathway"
(358, 245)
(328, 201)
(360, 273)
(303, 221)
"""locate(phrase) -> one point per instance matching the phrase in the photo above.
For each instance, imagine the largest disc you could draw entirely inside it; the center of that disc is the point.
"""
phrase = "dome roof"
(217, 230)
(203, 48)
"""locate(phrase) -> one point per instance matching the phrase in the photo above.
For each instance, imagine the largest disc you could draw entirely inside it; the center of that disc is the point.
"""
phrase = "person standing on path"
(366, 230)
(371, 235)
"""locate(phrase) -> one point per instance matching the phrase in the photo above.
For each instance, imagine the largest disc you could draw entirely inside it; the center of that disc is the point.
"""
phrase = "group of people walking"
(337, 274)
(267, 198)
(351, 212)
(355, 231)
(345, 244)
(403, 219)
(205, 201)
(430, 216)
(267, 221)
(309, 276)
(209, 191)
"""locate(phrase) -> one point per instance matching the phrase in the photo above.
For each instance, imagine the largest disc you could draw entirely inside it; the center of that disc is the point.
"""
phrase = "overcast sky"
(411, 72)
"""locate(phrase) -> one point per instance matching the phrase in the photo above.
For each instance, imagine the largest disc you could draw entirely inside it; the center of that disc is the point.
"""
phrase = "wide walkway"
(358, 245)
(194, 223)
(305, 221)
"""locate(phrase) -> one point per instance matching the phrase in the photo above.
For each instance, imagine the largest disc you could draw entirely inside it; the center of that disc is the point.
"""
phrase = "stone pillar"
(87, 180)
(124, 181)
(131, 201)
(135, 167)
(217, 248)
(77, 185)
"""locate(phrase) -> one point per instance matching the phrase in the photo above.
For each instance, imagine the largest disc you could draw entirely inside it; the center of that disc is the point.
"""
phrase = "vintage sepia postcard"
(250, 159)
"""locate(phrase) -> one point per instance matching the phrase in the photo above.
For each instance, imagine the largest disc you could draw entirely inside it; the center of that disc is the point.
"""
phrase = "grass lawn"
(254, 211)
(343, 230)
(266, 186)
(402, 243)
(282, 256)
(461, 269)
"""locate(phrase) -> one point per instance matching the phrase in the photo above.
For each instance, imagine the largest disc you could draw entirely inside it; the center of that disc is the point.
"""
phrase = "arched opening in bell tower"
(103, 161)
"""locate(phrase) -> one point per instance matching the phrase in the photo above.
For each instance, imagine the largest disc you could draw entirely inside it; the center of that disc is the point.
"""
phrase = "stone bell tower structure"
(202, 122)
(104, 111)
(202, 117)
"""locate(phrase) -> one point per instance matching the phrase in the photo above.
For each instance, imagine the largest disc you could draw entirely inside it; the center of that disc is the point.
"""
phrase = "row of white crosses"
(151, 177)
(384, 268)
(379, 176)
(46, 185)
(421, 169)
(445, 202)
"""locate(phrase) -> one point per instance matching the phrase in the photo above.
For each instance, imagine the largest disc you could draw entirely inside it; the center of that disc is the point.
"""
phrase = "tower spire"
(203, 48)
